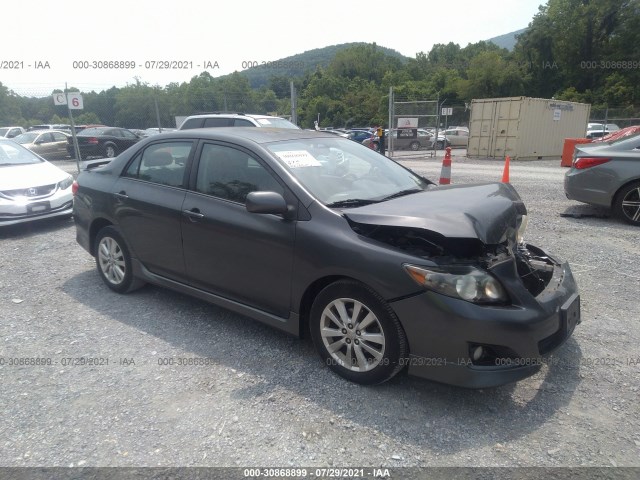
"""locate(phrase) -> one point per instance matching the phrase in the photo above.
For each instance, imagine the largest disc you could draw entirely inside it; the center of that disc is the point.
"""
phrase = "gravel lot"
(266, 399)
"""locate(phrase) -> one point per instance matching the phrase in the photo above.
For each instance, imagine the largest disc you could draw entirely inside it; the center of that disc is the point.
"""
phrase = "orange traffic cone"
(445, 173)
(505, 172)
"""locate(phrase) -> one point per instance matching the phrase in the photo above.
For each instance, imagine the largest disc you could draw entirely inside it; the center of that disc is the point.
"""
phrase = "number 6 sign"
(75, 101)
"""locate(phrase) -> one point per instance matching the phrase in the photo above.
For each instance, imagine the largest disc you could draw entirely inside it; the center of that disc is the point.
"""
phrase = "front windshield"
(25, 138)
(12, 154)
(341, 173)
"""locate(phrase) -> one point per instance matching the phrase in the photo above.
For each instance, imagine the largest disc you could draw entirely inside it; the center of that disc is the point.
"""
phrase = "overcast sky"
(199, 34)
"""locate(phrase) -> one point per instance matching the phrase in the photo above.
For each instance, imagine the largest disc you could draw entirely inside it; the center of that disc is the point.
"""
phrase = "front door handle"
(193, 214)
(122, 195)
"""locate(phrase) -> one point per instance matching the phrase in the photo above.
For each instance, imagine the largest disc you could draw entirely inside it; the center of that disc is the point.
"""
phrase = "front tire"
(357, 334)
(627, 204)
(415, 146)
(114, 261)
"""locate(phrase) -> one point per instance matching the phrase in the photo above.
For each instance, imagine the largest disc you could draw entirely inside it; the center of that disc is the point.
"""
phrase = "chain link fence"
(623, 116)
(419, 124)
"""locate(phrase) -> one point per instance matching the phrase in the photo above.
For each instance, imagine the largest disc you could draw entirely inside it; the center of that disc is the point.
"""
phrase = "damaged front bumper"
(461, 343)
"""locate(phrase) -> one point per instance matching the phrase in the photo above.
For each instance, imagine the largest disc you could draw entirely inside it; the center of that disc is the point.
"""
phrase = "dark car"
(307, 231)
(360, 135)
(607, 175)
(102, 141)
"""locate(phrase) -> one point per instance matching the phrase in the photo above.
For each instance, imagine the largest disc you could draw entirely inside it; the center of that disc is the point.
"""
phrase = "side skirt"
(289, 325)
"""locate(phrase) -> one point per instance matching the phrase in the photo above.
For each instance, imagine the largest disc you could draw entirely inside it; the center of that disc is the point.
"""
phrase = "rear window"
(87, 132)
(275, 122)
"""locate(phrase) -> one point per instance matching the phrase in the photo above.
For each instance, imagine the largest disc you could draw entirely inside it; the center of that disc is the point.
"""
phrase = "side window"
(59, 137)
(217, 122)
(162, 163)
(115, 133)
(45, 138)
(192, 123)
(127, 134)
(231, 174)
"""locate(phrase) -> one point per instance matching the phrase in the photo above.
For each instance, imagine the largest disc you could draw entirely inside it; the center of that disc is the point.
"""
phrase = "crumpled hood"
(487, 212)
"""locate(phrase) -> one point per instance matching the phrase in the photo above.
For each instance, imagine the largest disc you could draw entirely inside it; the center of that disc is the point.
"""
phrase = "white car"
(597, 130)
(30, 187)
(11, 132)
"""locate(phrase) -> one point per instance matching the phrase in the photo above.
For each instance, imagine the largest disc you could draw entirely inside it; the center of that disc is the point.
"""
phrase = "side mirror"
(266, 202)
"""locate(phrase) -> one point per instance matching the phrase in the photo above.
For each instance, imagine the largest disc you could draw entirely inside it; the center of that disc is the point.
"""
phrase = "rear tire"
(415, 146)
(113, 261)
(627, 204)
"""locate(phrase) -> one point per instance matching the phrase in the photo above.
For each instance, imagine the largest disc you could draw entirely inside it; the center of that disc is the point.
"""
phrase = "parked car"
(403, 140)
(56, 126)
(619, 134)
(11, 132)
(30, 187)
(360, 135)
(307, 231)
(102, 141)
(340, 133)
(49, 144)
(207, 120)
(457, 137)
(608, 175)
(155, 131)
(598, 130)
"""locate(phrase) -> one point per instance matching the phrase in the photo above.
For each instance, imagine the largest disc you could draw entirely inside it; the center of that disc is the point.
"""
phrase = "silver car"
(49, 144)
(30, 187)
(608, 175)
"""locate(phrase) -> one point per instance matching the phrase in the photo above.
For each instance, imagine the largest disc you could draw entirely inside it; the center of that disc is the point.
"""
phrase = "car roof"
(256, 135)
(230, 114)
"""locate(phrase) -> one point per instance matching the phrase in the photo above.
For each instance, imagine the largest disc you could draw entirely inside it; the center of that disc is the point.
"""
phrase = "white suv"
(209, 120)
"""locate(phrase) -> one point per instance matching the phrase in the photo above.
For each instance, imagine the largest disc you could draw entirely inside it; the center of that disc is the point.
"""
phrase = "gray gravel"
(263, 398)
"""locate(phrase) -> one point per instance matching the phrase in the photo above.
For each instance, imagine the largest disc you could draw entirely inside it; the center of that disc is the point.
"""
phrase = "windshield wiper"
(402, 193)
(351, 202)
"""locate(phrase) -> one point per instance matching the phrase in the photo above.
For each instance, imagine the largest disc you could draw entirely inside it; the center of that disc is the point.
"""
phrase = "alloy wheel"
(352, 335)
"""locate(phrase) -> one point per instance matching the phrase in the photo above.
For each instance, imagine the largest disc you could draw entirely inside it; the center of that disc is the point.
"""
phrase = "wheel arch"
(97, 225)
(614, 197)
(312, 291)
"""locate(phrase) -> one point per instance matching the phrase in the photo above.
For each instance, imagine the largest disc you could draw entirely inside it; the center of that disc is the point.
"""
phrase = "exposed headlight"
(467, 283)
(524, 221)
(66, 183)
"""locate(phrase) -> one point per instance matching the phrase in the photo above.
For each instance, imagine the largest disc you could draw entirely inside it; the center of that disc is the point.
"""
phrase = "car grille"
(31, 193)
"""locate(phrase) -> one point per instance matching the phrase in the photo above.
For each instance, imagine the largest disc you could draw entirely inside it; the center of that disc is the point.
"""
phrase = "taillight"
(588, 162)
(75, 187)
(92, 141)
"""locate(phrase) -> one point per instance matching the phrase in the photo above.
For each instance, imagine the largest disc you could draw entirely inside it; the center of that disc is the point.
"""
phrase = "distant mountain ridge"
(508, 40)
(297, 65)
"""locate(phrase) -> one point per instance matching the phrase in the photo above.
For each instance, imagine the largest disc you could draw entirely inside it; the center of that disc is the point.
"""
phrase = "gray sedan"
(315, 234)
(608, 175)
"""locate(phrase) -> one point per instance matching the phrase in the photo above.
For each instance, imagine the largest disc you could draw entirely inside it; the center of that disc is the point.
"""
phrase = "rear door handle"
(121, 195)
(193, 214)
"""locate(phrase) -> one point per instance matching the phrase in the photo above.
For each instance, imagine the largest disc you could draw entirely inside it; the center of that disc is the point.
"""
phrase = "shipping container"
(524, 128)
